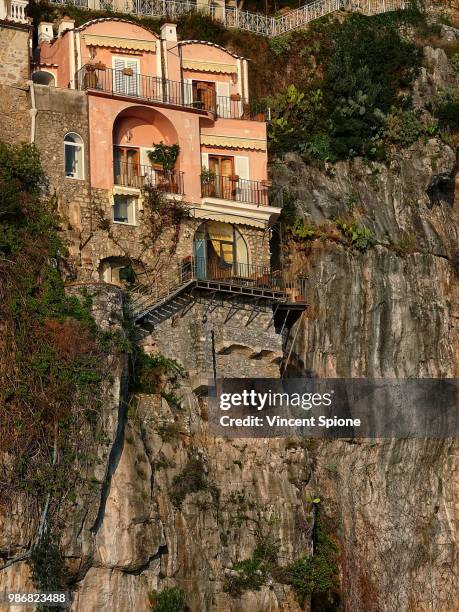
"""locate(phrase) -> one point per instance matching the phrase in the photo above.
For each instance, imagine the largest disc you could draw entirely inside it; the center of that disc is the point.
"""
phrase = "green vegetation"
(447, 110)
(314, 575)
(360, 238)
(342, 111)
(192, 479)
(51, 348)
(151, 372)
(252, 573)
(51, 359)
(47, 566)
(168, 600)
(164, 155)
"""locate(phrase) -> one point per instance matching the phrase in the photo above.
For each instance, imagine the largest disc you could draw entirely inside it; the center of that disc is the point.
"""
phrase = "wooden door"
(223, 168)
(127, 166)
(204, 95)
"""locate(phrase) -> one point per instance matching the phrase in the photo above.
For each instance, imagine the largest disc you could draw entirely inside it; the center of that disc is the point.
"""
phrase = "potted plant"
(235, 97)
(100, 66)
(165, 156)
(127, 72)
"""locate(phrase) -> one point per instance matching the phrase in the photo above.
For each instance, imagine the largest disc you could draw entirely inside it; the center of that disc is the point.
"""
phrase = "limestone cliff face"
(391, 311)
(145, 542)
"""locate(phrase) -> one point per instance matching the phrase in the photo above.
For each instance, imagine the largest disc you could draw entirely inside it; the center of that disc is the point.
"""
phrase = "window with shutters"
(126, 78)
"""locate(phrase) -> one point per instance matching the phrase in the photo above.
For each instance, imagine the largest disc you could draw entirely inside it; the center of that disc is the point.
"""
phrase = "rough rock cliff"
(391, 311)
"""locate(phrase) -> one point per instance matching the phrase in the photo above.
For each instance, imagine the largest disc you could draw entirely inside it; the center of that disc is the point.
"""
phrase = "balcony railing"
(138, 176)
(236, 189)
(178, 93)
(235, 273)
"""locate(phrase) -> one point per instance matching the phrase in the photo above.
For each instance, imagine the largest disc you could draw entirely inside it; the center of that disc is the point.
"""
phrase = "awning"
(202, 213)
(232, 142)
(115, 42)
(202, 66)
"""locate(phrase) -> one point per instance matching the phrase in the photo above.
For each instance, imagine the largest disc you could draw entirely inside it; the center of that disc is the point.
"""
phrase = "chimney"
(66, 23)
(169, 32)
(45, 32)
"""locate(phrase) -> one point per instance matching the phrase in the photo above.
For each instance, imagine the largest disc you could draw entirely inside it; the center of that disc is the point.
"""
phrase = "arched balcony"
(136, 132)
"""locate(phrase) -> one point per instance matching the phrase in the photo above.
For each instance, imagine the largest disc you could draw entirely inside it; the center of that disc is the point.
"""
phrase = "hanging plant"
(164, 155)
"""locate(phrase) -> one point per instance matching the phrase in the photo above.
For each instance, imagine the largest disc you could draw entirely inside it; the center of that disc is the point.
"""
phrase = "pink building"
(143, 90)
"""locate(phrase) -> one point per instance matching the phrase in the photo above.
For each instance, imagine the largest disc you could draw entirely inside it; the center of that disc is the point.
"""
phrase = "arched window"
(220, 251)
(73, 154)
(42, 77)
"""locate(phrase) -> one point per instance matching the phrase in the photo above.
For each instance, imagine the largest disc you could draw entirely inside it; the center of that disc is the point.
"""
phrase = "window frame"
(134, 201)
(76, 145)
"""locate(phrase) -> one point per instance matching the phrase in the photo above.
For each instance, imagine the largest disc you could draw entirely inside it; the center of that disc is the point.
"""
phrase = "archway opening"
(41, 77)
(220, 251)
(137, 131)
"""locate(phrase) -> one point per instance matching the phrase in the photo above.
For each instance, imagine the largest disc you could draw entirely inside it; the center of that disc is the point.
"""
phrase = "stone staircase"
(232, 17)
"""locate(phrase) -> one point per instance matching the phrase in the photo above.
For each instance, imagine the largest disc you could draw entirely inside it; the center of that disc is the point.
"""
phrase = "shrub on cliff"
(342, 113)
(51, 357)
(168, 600)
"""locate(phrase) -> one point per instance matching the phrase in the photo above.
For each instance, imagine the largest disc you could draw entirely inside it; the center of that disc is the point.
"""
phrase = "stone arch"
(143, 127)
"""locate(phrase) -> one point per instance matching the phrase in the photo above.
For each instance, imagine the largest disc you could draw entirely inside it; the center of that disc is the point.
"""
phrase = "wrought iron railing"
(128, 83)
(236, 189)
(128, 174)
(236, 273)
(244, 20)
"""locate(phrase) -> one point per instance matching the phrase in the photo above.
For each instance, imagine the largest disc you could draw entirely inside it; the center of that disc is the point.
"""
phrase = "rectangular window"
(124, 209)
(126, 78)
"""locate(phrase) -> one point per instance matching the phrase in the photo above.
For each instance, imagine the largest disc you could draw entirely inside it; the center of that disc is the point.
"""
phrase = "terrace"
(127, 83)
(138, 176)
(235, 189)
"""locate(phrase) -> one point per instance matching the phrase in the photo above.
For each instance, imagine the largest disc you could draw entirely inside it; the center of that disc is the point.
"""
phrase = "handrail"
(128, 83)
(192, 268)
(130, 174)
(236, 189)
(245, 20)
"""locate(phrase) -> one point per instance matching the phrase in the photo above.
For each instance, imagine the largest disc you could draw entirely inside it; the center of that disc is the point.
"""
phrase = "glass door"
(223, 169)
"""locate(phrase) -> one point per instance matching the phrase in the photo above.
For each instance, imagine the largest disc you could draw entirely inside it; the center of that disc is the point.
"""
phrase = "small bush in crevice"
(192, 479)
(47, 565)
(360, 238)
(151, 373)
(168, 600)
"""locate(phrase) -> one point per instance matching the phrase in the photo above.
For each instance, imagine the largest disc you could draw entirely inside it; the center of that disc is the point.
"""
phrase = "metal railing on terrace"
(259, 193)
(245, 20)
(127, 174)
(178, 93)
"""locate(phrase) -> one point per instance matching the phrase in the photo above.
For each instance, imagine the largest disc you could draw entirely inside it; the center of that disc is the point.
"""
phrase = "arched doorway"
(220, 251)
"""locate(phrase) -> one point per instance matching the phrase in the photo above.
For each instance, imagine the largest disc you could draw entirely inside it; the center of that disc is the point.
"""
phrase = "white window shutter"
(242, 167)
(205, 161)
(223, 89)
(132, 82)
(118, 78)
(223, 100)
(188, 91)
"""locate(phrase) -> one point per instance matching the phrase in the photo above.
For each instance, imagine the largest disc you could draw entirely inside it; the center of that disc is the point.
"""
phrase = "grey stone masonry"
(246, 343)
